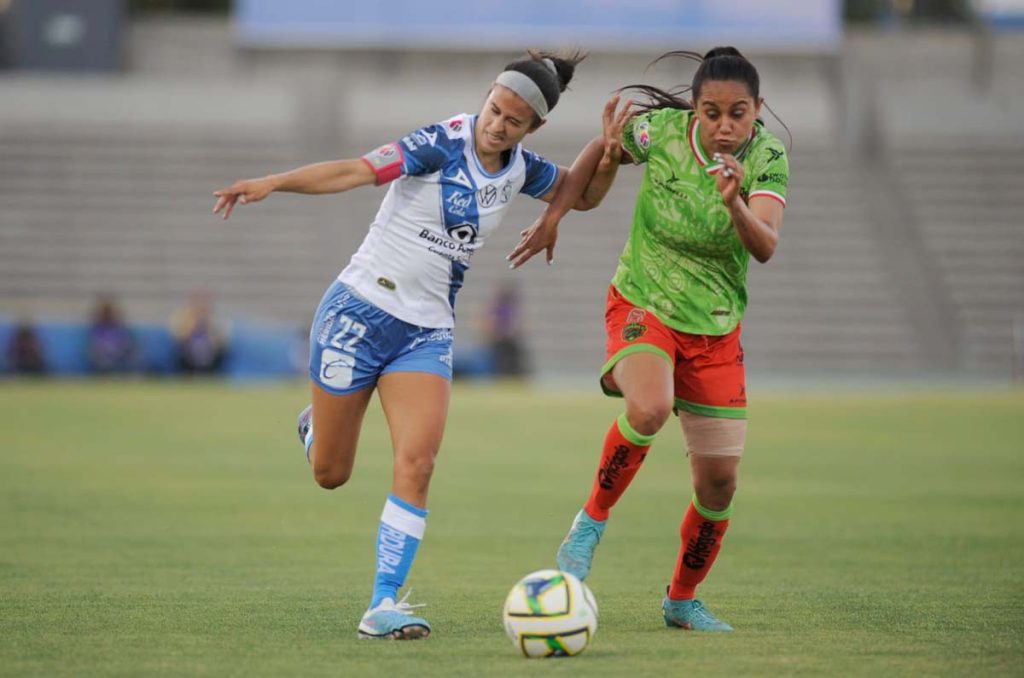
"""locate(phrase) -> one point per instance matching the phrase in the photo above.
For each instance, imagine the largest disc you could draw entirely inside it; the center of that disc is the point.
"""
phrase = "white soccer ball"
(550, 613)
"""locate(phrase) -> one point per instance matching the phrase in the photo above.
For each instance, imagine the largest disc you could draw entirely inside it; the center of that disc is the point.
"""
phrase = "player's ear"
(757, 108)
(536, 126)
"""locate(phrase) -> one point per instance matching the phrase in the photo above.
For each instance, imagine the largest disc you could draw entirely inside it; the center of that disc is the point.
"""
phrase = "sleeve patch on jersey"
(642, 134)
(386, 162)
(453, 127)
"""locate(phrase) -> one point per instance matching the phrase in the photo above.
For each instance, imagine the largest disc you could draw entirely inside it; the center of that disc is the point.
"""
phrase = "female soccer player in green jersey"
(712, 195)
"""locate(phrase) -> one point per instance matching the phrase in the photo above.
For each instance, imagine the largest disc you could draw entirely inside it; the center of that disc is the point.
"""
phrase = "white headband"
(526, 88)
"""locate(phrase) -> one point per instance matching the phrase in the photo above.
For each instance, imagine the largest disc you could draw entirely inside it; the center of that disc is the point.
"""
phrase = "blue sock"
(398, 538)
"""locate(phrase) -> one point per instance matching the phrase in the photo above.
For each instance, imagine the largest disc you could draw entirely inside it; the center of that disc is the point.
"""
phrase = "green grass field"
(175, 529)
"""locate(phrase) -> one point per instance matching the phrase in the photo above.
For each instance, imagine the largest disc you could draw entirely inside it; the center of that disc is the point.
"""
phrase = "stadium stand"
(887, 263)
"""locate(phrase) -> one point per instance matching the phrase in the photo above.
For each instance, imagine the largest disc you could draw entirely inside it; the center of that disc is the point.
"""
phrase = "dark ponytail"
(719, 63)
(551, 84)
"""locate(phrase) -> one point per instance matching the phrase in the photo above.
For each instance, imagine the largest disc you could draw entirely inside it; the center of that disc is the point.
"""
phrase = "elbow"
(764, 254)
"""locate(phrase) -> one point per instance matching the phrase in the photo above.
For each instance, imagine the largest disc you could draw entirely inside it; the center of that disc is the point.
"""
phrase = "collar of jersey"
(480, 165)
(694, 136)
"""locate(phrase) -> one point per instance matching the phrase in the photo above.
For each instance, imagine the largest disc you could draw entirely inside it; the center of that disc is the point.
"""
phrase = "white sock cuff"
(403, 520)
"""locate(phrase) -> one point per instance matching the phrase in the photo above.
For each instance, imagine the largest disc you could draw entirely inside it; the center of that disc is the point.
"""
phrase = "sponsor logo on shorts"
(386, 283)
(336, 368)
(698, 549)
(436, 335)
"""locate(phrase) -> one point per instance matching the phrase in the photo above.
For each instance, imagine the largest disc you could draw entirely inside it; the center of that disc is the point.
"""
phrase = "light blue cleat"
(691, 615)
(393, 621)
(305, 423)
(577, 549)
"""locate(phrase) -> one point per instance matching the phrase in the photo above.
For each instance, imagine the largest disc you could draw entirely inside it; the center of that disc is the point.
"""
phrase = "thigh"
(337, 420)
(636, 341)
(416, 407)
(710, 380)
(642, 377)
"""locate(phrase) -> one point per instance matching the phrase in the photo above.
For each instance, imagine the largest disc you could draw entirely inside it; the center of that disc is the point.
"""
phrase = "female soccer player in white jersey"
(387, 321)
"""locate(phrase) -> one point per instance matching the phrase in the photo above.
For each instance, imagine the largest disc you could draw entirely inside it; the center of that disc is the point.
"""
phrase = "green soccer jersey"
(683, 260)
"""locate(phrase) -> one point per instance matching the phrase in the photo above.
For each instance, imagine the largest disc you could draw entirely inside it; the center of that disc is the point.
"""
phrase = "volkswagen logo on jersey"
(487, 195)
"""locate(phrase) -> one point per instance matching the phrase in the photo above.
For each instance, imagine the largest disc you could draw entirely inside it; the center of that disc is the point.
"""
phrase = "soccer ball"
(550, 613)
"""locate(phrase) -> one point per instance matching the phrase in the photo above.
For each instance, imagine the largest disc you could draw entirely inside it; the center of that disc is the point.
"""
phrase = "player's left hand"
(542, 235)
(730, 178)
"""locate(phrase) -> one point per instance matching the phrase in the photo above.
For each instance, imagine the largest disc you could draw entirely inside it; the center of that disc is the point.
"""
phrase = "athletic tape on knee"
(713, 436)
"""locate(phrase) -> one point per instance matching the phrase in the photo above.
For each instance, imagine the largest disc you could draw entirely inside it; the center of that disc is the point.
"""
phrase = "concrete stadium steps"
(128, 211)
(969, 223)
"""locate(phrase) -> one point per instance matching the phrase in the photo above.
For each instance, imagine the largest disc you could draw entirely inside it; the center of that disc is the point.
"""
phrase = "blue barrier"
(256, 351)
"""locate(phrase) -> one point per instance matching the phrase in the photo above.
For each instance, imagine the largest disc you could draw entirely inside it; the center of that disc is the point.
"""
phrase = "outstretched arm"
(334, 176)
(585, 185)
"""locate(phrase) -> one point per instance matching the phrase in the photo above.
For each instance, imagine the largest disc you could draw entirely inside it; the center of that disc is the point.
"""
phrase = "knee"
(329, 477)
(416, 470)
(716, 492)
(647, 416)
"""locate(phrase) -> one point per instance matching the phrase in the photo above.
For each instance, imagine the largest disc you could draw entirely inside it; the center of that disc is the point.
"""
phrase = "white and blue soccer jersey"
(440, 209)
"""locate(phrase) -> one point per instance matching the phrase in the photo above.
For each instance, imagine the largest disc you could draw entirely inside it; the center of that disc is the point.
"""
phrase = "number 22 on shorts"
(338, 361)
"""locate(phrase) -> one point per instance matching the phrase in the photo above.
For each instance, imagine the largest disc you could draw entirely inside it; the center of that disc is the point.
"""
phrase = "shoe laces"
(700, 611)
(404, 607)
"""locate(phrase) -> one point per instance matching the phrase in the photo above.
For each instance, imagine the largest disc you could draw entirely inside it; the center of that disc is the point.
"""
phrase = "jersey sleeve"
(771, 172)
(636, 136)
(421, 151)
(540, 175)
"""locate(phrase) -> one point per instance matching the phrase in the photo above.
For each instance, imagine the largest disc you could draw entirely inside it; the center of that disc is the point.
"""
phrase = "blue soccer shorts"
(352, 343)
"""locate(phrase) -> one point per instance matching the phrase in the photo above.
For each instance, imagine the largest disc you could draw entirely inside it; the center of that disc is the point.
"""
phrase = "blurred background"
(901, 252)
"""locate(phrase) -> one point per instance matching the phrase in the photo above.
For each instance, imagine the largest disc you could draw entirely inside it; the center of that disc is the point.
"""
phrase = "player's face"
(727, 112)
(503, 122)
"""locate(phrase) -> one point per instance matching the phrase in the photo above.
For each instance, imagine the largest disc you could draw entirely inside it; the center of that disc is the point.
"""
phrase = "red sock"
(623, 453)
(702, 531)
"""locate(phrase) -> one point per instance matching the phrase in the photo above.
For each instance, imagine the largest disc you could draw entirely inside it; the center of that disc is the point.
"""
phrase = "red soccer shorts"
(708, 370)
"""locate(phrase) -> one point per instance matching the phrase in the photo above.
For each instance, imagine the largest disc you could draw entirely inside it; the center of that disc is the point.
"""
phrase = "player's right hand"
(243, 191)
(613, 124)
(541, 235)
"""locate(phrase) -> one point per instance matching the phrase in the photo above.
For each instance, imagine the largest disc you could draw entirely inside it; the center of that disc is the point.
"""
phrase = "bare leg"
(416, 407)
(337, 420)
